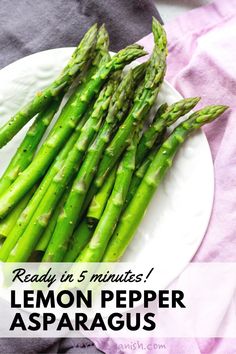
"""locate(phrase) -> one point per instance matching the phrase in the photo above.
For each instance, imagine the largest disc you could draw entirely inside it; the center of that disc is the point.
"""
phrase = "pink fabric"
(202, 62)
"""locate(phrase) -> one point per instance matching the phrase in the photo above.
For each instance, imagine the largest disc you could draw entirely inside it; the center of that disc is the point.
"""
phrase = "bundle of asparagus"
(82, 195)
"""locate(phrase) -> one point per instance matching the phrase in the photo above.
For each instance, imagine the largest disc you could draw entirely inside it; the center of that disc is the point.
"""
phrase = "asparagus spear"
(146, 142)
(69, 118)
(80, 238)
(164, 117)
(138, 73)
(95, 249)
(139, 174)
(46, 237)
(101, 48)
(153, 137)
(144, 99)
(100, 53)
(162, 162)
(43, 98)
(27, 148)
(41, 217)
(85, 229)
(8, 223)
(100, 199)
(28, 212)
(67, 222)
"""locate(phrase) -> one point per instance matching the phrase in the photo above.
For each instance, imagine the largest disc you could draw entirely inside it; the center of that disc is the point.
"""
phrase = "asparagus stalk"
(162, 162)
(84, 230)
(98, 202)
(102, 196)
(28, 212)
(138, 73)
(72, 208)
(25, 153)
(69, 118)
(100, 56)
(140, 109)
(100, 199)
(101, 51)
(139, 174)
(43, 213)
(146, 142)
(144, 99)
(95, 249)
(43, 98)
(7, 224)
(164, 117)
(154, 135)
(101, 48)
(46, 237)
(80, 238)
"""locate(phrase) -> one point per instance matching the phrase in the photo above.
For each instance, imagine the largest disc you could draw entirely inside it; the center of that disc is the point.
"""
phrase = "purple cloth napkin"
(202, 62)
(28, 27)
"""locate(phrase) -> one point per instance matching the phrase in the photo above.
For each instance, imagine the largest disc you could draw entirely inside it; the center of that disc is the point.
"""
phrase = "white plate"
(177, 218)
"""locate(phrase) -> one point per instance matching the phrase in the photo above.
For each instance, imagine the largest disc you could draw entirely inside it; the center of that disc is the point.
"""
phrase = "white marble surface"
(169, 9)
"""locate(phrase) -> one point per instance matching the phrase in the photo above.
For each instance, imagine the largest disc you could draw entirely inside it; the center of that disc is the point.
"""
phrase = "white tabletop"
(169, 9)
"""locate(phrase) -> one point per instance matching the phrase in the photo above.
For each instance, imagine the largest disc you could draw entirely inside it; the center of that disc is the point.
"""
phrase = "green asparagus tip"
(208, 113)
(134, 46)
(194, 100)
(101, 48)
(103, 35)
(128, 54)
(93, 28)
(225, 107)
(191, 102)
(92, 31)
(187, 103)
(214, 110)
(159, 34)
(88, 38)
(102, 32)
(179, 109)
(156, 69)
